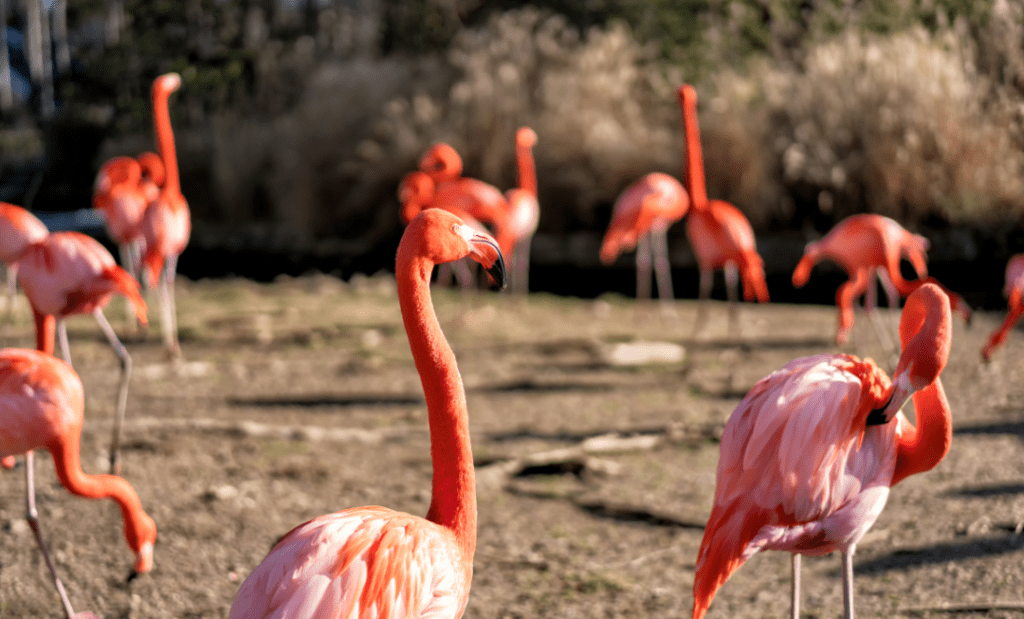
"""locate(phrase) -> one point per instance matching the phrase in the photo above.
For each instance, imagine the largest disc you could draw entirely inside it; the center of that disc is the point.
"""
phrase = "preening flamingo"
(166, 224)
(523, 213)
(370, 561)
(809, 455)
(41, 406)
(719, 233)
(70, 273)
(1014, 292)
(481, 201)
(641, 218)
(18, 229)
(442, 163)
(867, 245)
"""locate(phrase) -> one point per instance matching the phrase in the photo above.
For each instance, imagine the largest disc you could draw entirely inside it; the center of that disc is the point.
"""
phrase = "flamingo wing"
(797, 463)
(41, 398)
(362, 563)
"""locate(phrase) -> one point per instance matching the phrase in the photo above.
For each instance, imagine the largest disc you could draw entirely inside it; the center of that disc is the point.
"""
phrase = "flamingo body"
(370, 561)
(523, 215)
(122, 194)
(809, 455)
(653, 203)
(18, 229)
(1014, 291)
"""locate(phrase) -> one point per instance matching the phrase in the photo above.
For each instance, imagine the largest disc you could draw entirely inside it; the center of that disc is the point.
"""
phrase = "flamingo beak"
(143, 561)
(485, 250)
(901, 392)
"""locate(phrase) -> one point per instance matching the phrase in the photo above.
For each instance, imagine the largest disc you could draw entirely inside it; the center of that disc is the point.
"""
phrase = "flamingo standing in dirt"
(809, 455)
(166, 224)
(70, 273)
(1014, 292)
(18, 229)
(523, 213)
(869, 245)
(371, 561)
(720, 234)
(41, 406)
(641, 218)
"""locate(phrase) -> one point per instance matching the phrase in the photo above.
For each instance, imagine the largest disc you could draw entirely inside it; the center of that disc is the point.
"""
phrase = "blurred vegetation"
(297, 120)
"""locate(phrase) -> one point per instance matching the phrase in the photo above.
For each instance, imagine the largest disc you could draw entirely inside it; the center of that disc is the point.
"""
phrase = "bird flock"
(807, 459)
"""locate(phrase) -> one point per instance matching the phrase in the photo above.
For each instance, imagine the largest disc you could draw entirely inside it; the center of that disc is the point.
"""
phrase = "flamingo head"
(116, 171)
(526, 137)
(166, 84)
(140, 532)
(444, 237)
(442, 163)
(153, 168)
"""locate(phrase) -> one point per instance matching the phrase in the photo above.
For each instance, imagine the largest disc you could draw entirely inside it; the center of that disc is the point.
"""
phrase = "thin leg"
(848, 582)
(870, 305)
(122, 388)
(794, 591)
(62, 339)
(663, 272)
(732, 291)
(32, 516)
(169, 318)
(643, 269)
(707, 278)
(128, 261)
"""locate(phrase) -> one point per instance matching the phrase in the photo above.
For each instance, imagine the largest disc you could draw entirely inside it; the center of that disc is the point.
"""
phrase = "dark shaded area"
(627, 513)
(314, 401)
(990, 491)
(568, 437)
(1006, 427)
(942, 553)
(528, 385)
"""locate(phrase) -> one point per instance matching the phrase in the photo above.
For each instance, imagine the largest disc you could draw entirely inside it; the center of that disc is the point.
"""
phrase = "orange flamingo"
(523, 213)
(70, 273)
(869, 245)
(166, 224)
(809, 455)
(641, 218)
(18, 229)
(481, 201)
(371, 561)
(442, 163)
(720, 234)
(1014, 292)
(41, 405)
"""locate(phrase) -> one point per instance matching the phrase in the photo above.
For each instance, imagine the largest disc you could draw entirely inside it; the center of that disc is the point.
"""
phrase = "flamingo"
(41, 405)
(809, 455)
(523, 213)
(481, 201)
(869, 245)
(1014, 292)
(442, 163)
(641, 218)
(166, 224)
(70, 273)
(371, 561)
(18, 229)
(720, 234)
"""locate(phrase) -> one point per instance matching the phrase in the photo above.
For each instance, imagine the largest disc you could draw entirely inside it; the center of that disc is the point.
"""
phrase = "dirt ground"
(300, 398)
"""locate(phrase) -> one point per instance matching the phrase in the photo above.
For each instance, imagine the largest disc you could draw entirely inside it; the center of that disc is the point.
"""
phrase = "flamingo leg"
(62, 339)
(848, 582)
(122, 388)
(870, 308)
(169, 317)
(794, 591)
(32, 516)
(643, 268)
(663, 272)
(707, 279)
(130, 258)
(732, 291)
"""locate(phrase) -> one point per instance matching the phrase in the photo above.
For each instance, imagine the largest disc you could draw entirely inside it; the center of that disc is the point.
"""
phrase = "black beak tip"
(497, 273)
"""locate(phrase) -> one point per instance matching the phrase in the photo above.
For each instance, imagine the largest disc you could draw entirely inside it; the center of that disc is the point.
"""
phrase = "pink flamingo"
(520, 223)
(70, 273)
(18, 229)
(41, 405)
(481, 201)
(720, 234)
(442, 163)
(371, 561)
(124, 188)
(809, 455)
(641, 218)
(166, 224)
(869, 245)
(1014, 292)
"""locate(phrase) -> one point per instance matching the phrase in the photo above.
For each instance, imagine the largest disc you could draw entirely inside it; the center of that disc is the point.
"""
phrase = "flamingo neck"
(694, 173)
(139, 528)
(453, 502)
(924, 445)
(526, 167)
(165, 139)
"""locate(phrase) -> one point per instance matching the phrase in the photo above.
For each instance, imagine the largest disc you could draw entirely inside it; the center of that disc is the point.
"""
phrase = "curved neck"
(165, 139)
(920, 447)
(137, 523)
(526, 167)
(694, 173)
(453, 502)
